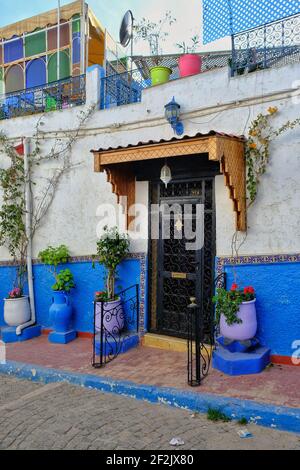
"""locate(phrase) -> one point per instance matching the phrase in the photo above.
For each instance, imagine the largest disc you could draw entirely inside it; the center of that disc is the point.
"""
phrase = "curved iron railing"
(200, 347)
(116, 324)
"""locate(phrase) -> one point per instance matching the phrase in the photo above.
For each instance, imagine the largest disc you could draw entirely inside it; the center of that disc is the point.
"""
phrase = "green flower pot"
(160, 75)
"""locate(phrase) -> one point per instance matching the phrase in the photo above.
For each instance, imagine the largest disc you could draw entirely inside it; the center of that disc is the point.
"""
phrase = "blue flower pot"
(60, 312)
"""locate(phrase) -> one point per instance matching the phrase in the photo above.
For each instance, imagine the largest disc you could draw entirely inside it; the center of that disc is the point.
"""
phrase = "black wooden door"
(184, 273)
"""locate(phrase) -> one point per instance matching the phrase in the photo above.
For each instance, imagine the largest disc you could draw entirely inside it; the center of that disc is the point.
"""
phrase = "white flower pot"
(16, 311)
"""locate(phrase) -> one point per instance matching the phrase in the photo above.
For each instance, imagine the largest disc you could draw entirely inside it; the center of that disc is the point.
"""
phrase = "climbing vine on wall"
(261, 134)
(13, 180)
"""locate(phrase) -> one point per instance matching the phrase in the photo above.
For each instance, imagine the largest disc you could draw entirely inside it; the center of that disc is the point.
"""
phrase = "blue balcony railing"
(123, 88)
(53, 96)
(270, 45)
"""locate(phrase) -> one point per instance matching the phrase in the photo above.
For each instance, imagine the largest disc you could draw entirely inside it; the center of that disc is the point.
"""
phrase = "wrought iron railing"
(124, 88)
(53, 96)
(200, 344)
(270, 45)
(116, 326)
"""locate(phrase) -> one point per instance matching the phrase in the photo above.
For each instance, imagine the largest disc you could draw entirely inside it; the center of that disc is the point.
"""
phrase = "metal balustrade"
(270, 45)
(58, 95)
(119, 89)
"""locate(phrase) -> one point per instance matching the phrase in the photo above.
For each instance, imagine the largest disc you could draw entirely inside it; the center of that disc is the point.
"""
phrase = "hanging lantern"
(166, 175)
(172, 115)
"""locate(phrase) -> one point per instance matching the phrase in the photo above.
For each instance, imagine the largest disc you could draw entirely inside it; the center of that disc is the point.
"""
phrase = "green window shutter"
(64, 66)
(76, 24)
(35, 44)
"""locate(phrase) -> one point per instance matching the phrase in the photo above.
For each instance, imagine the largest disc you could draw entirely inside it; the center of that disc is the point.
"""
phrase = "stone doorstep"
(169, 343)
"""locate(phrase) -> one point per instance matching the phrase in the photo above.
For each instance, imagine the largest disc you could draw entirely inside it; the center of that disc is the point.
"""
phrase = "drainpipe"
(28, 209)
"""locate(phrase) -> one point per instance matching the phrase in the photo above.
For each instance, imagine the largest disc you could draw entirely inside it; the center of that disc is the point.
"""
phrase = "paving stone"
(70, 417)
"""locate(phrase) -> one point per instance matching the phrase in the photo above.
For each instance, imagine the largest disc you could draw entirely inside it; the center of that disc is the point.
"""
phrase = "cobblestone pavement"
(60, 416)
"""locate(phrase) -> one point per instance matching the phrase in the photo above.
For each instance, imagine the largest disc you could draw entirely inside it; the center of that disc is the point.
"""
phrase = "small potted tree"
(154, 34)
(13, 236)
(236, 312)
(189, 63)
(60, 312)
(112, 249)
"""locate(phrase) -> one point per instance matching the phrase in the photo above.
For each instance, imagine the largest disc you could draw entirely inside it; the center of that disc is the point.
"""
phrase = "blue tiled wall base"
(126, 343)
(253, 361)
(62, 338)
(276, 280)
(8, 334)
(88, 281)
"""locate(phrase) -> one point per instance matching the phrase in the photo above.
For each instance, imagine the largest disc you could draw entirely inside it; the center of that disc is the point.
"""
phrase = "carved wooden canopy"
(228, 150)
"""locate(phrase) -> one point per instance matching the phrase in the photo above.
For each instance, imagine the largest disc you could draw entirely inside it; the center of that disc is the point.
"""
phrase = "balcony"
(268, 46)
(58, 95)
(119, 89)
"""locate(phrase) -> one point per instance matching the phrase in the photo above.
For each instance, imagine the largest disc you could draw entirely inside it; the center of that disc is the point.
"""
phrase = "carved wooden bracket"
(229, 151)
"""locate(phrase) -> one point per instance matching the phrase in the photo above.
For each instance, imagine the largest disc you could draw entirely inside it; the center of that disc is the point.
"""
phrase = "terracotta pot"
(241, 331)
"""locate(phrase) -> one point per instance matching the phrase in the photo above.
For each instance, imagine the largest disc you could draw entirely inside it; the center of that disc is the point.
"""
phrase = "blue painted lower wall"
(278, 301)
(277, 284)
(88, 281)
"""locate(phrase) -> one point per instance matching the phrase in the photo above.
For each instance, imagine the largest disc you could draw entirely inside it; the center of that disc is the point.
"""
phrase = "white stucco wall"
(210, 101)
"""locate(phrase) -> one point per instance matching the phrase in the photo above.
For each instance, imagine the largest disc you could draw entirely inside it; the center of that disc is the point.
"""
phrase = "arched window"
(64, 66)
(36, 73)
(14, 79)
(76, 48)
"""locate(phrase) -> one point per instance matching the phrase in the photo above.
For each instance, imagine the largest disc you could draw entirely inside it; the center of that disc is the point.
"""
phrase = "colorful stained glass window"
(14, 79)
(36, 72)
(225, 17)
(35, 44)
(76, 24)
(64, 37)
(76, 48)
(64, 66)
(1, 54)
(13, 50)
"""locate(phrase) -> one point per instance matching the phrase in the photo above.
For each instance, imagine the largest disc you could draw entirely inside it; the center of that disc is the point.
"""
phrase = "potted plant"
(236, 312)
(13, 236)
(60, 312)
(16, 308)
(154, 33)
(112, 249)
(189, 63)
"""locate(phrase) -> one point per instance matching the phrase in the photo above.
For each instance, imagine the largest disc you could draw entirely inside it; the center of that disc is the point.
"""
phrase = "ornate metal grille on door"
(177, 272)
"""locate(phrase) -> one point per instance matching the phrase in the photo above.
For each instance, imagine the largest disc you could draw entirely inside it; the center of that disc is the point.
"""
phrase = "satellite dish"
(126, 29)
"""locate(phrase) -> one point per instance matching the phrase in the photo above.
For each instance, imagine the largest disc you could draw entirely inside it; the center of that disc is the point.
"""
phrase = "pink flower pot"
(113, 318)
(189, 64)
(241, 331)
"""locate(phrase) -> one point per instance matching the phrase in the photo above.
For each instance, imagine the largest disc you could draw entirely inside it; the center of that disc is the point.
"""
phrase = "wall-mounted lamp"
(172, 114)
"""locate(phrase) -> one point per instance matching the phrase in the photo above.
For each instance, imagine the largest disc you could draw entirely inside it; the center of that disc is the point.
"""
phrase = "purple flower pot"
(241, 331)
(113, 316)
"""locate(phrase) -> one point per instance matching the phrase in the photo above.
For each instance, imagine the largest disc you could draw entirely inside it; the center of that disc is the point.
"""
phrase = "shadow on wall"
(88, 281)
